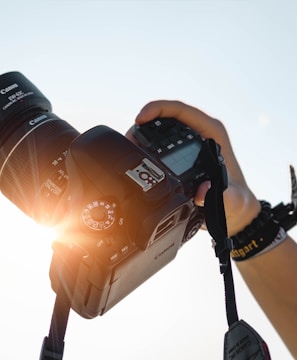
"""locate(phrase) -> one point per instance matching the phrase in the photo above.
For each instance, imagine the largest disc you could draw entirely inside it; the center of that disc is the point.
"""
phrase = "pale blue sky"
(99, 62)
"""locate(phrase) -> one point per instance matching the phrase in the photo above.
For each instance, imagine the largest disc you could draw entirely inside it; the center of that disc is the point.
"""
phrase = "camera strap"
(53, 344)
(241, 341)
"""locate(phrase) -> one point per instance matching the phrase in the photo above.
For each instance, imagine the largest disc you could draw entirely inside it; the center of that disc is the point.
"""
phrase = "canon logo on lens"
(8, 88)
(37, 120)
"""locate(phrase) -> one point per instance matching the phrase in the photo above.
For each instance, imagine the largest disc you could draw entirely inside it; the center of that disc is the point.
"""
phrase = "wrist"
(243, 216)
(260, 236)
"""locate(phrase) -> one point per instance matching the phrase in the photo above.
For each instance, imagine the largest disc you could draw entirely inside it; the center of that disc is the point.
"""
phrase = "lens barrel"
(33, 148)
(17, 96)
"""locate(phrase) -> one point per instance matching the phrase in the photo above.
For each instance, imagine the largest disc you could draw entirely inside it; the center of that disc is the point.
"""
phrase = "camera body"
(128, 213)
(123, 208)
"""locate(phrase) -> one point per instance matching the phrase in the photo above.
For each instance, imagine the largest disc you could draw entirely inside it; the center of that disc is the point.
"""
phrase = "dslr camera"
(123, 208)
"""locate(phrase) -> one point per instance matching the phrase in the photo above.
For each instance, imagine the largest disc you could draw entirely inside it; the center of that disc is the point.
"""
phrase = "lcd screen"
(182, 158)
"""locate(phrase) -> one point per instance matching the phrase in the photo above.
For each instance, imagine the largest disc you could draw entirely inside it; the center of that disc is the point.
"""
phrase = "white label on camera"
(146, 174)
(13, 98)
(8, 88)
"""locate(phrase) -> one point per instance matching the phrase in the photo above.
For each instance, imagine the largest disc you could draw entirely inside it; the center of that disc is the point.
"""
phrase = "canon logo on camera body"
(8, 88)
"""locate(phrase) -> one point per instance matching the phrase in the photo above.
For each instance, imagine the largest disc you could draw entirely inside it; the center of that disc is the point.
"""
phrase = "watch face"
(181, 159)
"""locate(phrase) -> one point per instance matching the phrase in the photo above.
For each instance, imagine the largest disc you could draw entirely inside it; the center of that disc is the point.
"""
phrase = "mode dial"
(99, 215)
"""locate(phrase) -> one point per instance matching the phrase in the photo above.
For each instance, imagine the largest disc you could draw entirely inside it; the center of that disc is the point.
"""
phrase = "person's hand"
(241, 206)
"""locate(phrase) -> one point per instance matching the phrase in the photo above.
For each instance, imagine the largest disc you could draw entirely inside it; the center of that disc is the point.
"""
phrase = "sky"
(99, 62)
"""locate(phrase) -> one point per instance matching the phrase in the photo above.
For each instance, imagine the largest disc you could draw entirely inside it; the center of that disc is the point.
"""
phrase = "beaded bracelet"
(263, 234)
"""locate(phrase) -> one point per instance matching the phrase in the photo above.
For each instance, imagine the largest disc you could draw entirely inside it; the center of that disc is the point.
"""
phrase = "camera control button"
(124, 249)
(113, 257)
(170, 146)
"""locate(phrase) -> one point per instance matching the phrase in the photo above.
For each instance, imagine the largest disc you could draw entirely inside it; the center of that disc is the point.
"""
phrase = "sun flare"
(20, 226)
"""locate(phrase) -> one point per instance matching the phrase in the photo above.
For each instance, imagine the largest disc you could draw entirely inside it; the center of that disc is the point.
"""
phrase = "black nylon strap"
(53, 344)
(215, 220)
(222, 246)
(230, 301)
(68, 267)
(241, 340)
(214, 210)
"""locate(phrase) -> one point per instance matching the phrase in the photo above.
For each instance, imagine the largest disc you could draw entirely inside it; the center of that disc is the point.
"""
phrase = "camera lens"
(33, 148)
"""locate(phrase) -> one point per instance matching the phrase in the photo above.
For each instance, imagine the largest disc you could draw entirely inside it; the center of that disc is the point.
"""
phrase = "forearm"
(272, 279)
